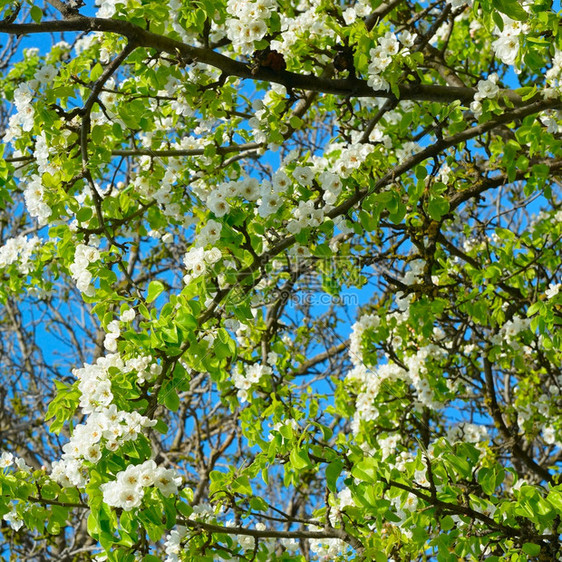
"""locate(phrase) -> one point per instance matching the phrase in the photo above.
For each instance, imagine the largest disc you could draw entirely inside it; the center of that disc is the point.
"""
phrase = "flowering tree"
(280, 280)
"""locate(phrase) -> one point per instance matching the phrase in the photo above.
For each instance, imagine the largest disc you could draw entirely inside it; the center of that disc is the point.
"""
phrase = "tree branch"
(327, 533)
(511, 438)
(342, 87)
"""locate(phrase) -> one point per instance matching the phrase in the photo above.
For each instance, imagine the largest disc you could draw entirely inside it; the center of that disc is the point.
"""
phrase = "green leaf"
(534, 308)
(460, 464)
(498, 20)
(98, 135)
(242, 486)
(531, 549)
(168, 396)
(36, 14)
(437, 207)
(511, 8)
(366, 470)
(96, 71)
(258, 504)
(299, 459)
(84, 214)
(93, 524)
(333, 471)
(527, 93)
(295, 122)
(132, 112)
(161, 427)
(171, 334)
(447, 523)
(155, 288)
(555, 499)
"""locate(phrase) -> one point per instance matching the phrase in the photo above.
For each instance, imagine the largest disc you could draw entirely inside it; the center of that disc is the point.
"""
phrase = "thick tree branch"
(378, 13)
(467, 511)
(328, 532)
(342, 87)
(321, 357)
(512, 439)
(173, 153)
(439, 146)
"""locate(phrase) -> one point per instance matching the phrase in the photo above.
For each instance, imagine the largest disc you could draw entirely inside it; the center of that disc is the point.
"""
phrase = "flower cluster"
(351, 158)
(24, 119)
(292, 423)
(366, 322)
(128, 315)
(209, 234)
(371, 381)
(8, 459)
(553, 76)
(308, 22)
(107, 8)
(486, 89)
(332, 186)
(272, 194)
(381, 57)
(172, 547)
(144, 366)
(19, 249)
(216, 200)
(269, 197)
(108, 428)
(511, 329)
(417, 367)
(360, 9)
(553, 290)
(387, 445)
(327, 549)
(83, 257)
(126, 492)
(112, 335)
(506, 46)
(105, 428)
(41, 154)
(23, 96)
(413, 275)
(196, 261)
(266, 195)
(94, 383)
(407, 150)
(410, 375)
(467, 432)
(161, 191)
(306, 215)
(44, 76)
(266, 112)
(552, 119)
(404, 506)
(13, 518)
(244, 381)
(269, 204)
(175, 13)
(248, 23)
(34, 193)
